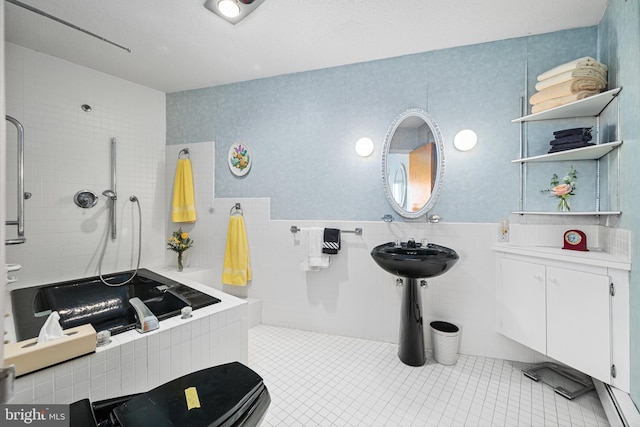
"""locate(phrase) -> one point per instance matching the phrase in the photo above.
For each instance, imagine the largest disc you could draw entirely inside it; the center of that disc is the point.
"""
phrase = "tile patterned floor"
(326, 380)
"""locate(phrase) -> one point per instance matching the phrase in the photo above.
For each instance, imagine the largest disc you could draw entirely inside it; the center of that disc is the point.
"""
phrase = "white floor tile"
(324, 380)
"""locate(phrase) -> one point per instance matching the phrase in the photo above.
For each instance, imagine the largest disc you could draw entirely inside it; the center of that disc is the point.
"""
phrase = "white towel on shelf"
(311, 256)
(584, 62)
(591, 73)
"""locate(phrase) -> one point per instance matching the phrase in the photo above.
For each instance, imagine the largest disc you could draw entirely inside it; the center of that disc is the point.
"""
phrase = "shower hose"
(106, 241)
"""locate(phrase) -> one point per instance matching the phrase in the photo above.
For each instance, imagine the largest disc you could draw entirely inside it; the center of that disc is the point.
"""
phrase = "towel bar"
(357, 231)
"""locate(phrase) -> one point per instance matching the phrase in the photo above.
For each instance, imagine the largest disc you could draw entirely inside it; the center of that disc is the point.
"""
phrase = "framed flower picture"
(239, 159)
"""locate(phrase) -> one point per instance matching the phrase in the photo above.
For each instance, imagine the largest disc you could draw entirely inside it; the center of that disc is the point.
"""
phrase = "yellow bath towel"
(236, 270)
(183, 207)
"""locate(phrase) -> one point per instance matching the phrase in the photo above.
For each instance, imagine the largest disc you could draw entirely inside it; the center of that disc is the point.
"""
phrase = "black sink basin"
(414, 262)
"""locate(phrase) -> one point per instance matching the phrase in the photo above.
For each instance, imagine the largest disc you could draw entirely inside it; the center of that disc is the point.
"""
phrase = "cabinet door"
(521, 312)
(578, 325)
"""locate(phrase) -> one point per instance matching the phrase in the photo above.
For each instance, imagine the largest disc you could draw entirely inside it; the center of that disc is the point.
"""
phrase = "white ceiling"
(178, 44)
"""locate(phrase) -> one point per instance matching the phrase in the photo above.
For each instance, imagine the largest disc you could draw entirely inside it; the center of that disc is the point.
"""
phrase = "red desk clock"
(575, 240)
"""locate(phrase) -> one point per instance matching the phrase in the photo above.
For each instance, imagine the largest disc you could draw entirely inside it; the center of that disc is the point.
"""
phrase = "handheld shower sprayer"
(110, 194)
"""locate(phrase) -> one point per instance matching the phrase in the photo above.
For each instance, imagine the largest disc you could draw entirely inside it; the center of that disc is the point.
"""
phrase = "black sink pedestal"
(411, 348)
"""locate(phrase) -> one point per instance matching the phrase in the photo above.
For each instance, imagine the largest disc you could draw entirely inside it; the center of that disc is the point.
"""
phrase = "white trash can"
(444, 336)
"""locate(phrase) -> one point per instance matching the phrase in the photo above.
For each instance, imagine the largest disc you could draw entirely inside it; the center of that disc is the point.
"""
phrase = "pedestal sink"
(413, 261)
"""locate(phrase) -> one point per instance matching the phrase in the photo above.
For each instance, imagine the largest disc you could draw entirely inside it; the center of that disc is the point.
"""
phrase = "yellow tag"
(191, 394)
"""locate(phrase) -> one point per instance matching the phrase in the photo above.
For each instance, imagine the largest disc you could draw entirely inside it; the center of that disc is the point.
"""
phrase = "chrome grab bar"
(22, 195)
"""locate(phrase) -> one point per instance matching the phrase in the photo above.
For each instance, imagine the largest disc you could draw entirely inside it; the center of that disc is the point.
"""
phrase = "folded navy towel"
(570, 146)
(572, 138)
(331, 241)
(572, 131)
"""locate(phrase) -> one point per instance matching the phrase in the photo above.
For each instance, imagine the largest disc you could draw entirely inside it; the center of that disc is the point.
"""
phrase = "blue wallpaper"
(302, 129)
(619, 38)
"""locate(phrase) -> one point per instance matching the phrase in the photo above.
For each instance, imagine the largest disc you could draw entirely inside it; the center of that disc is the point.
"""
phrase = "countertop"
(592, 257)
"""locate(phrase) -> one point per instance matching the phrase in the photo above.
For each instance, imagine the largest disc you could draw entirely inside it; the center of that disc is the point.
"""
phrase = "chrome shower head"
(109, 194)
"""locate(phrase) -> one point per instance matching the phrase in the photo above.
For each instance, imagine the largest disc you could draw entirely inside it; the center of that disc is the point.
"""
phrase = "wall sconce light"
(364, 147)
(232, 11)
(465, 140)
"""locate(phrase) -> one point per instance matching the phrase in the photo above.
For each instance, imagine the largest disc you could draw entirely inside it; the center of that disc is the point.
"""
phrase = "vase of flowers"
(179, 242)
(565, 189)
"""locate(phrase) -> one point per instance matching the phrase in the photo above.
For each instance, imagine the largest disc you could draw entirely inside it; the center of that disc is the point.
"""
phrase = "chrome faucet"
(411, 243)
(147, 321)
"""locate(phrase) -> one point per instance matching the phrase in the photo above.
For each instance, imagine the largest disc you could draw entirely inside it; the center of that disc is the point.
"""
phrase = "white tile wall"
(67, 150)
(354, 297)
(134, 362)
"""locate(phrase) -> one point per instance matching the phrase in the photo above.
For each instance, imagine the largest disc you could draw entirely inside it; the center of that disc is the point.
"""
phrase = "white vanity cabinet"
(574, 309)
(578, 326)
(521, 293)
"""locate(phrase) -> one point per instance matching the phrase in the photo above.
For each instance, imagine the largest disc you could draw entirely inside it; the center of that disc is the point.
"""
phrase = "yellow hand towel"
(236, 270)
(183, 207)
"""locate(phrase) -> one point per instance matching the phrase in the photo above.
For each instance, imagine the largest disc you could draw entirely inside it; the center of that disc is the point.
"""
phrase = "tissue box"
(29, 356)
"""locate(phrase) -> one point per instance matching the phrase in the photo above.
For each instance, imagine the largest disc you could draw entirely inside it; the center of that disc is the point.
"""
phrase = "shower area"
(68, 149)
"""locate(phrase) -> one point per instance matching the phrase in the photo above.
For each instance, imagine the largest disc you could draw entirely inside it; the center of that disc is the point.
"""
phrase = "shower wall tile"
(67, 150)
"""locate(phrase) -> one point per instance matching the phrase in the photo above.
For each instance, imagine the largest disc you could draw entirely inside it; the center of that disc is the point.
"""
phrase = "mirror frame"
(439, 145)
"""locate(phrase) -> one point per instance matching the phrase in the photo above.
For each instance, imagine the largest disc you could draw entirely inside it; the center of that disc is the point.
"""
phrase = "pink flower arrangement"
(565, 190)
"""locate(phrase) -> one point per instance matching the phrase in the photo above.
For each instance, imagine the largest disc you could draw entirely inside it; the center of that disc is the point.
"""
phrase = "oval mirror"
(413, 163)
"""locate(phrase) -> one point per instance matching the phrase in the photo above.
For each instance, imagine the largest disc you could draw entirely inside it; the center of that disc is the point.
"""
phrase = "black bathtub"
(89, 300)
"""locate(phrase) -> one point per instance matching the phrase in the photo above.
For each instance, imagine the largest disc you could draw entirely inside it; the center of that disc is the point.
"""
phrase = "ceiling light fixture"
(229, 8)
(232, 11)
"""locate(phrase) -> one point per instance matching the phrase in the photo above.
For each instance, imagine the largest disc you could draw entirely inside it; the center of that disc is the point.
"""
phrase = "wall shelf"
(592, 106)
(587, 107)
(593, 152)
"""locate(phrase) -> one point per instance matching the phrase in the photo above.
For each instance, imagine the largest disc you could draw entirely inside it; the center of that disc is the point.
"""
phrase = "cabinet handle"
(553, 279)
(537, 276)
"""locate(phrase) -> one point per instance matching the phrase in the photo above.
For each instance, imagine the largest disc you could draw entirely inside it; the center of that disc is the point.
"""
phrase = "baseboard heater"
(618, 406)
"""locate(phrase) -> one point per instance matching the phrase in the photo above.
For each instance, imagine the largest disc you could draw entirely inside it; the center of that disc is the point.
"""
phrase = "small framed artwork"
(239, 159)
